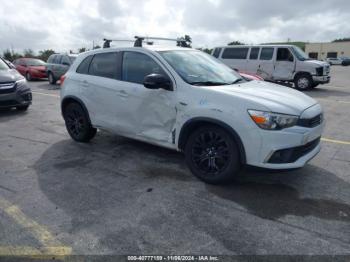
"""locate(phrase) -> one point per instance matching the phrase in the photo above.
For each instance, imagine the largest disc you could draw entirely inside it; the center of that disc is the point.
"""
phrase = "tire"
(78, 124)
(22, 108)
(52, 79)
(212, 155)
(314, 85)
(303, 82)
(29, 76)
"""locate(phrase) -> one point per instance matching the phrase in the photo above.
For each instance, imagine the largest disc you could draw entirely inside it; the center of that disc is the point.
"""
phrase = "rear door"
(253, 60)
(235, 57)
(266, 64)
(284, 65)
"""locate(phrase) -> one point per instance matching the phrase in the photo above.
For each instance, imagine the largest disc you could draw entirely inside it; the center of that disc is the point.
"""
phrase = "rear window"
(266, 53)
(235, 53)
(105, 65)
(254, 53)
(217, 52)
(51, 58)
(83, 68)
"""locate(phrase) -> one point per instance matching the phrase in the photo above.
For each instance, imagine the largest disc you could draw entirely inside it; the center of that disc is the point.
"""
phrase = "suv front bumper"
(17, 98)
(321, 79)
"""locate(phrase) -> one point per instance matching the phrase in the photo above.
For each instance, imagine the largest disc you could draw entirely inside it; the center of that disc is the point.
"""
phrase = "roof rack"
(139, 41)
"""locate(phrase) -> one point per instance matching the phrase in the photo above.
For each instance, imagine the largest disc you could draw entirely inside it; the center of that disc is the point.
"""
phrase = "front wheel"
(212, 155)
(77, 123)
(22, 108)
(303, 82)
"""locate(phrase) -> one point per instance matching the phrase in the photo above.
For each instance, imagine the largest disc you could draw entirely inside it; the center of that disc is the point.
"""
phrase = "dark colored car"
(58, 65)
(14, 90)
(345, 61)
(31, 68)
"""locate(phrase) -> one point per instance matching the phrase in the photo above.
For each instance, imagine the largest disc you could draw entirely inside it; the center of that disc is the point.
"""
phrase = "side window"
(266, 53)
(254, 53)
(136, 66)
(105, 65)
(49, 61)
(83, 68)
(58, 59)
(217, 52)
(65, 60)
(283, 54)
(235, 53)
(55, 59)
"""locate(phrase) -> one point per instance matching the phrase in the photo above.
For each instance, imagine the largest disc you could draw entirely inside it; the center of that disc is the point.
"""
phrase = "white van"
(276, 63)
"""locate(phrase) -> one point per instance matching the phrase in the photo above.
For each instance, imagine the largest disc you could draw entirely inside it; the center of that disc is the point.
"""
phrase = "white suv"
(186, 100)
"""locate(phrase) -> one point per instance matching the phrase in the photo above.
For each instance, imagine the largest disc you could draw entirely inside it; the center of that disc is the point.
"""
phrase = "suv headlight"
(272, 121)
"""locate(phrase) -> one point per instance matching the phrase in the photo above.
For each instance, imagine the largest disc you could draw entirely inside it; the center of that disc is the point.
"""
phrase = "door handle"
(123, 93)
(85, 84)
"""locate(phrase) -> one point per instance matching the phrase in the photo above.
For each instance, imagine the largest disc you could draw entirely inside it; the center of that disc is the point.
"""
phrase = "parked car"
(334, 61)
(185, 100)
(31, 68)
(345, 61)
(250, 77)
(58, 65)
(276, 63)
(14, 91)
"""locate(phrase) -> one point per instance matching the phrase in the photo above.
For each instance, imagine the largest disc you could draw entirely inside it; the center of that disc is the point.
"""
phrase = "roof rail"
(139, 40)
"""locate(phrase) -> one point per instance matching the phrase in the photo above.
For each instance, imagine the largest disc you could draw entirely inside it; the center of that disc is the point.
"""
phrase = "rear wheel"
(212, 155)
(52, 79)
(303, 82)
(28, 76)
(77, 123)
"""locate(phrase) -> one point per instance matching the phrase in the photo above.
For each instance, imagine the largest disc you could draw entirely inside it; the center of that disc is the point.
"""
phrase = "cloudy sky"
(70, 24)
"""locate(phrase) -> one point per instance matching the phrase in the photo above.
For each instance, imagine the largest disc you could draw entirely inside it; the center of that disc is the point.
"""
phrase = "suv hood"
(276, 98)
(316, 62)
(10, 75)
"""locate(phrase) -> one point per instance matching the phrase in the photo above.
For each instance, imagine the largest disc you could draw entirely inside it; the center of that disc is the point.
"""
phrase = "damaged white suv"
(186, 100)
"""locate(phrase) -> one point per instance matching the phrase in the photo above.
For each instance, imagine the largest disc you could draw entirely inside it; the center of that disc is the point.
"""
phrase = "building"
(321, 51)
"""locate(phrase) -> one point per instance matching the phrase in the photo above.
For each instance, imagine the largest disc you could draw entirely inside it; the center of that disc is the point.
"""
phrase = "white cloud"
(64, 24)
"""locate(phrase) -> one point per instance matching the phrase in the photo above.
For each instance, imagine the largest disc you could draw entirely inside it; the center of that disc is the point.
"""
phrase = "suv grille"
(7, 87)
(311, 122)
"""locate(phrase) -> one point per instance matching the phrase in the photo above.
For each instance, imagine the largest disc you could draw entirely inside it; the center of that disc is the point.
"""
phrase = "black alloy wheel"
(78, 124)
(212, 155)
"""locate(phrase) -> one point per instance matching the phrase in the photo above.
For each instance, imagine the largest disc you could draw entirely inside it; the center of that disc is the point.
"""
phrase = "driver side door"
(152, 112)
(284, 65)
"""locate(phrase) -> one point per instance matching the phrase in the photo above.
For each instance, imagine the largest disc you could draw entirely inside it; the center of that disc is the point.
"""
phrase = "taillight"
(62, 79)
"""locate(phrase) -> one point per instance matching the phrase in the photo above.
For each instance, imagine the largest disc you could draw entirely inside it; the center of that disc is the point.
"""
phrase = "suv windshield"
(3, 65)
(300, 54)
(198, 68)
(34, 62)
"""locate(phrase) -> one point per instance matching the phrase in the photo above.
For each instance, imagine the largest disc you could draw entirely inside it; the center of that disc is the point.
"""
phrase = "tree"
(206, 50)
(82, 50)
(44, 54)
(29, 53)
(346, 39)
(235, 43)
(186, 41)
(11, 56)
(97, 47)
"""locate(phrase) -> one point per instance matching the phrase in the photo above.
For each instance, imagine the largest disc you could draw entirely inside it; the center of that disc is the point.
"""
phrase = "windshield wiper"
(208, 83)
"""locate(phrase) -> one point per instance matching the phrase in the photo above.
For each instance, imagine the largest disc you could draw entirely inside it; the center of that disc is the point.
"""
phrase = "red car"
(31, 68)
(248, 76)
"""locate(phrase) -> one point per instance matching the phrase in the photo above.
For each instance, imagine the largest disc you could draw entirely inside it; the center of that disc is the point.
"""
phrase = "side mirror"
(157, 81)
(291, 59)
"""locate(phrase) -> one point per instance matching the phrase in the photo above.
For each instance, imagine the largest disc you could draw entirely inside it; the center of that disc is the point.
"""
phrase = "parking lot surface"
(118, 196)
